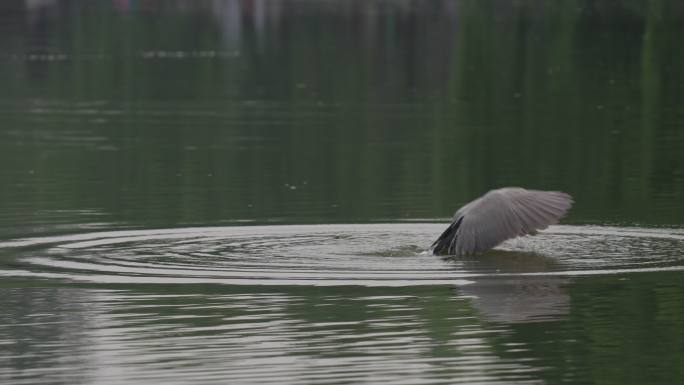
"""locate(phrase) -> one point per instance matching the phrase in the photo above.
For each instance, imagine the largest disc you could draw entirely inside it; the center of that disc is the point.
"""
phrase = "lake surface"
(244, 191)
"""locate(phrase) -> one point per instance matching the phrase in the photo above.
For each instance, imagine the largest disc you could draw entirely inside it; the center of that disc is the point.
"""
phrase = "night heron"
(499, 215)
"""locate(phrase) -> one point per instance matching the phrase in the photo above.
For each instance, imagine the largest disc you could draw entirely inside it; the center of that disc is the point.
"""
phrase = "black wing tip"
(444, 244)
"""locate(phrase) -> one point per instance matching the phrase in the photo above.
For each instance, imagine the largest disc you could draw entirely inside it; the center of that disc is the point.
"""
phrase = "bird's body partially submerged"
(500, 215)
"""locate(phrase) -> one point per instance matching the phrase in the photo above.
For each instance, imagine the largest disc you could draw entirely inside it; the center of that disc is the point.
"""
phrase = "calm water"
(243, 191)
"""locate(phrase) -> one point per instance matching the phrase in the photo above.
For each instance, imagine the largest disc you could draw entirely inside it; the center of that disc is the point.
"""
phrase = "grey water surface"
(244, 191)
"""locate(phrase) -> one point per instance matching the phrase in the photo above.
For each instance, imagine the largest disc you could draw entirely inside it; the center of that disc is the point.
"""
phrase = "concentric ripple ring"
(390, 254)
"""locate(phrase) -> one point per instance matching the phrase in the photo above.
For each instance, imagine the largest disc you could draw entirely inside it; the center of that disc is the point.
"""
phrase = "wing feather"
(503, 214)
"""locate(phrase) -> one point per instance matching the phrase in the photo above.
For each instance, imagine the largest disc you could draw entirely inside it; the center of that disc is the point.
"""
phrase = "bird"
(500, 214)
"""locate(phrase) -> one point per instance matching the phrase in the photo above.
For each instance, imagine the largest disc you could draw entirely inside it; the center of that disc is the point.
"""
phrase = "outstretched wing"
(503, 214)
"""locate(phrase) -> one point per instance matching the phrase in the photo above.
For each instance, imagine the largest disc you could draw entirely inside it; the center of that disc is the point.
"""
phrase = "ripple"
(335, 255)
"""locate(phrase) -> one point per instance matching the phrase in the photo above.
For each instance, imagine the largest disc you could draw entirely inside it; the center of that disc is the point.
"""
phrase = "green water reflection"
(626, 331)
(344, 111)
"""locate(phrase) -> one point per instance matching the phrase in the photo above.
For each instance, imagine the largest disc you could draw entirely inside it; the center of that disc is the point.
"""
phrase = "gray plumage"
(499, 215)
